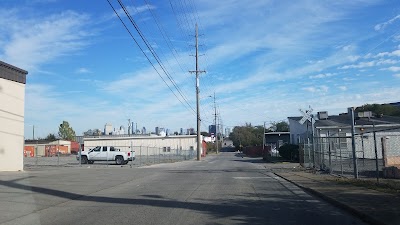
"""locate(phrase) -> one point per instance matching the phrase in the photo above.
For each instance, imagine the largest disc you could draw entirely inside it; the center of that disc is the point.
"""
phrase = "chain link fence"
(334, 154)
(144, 155)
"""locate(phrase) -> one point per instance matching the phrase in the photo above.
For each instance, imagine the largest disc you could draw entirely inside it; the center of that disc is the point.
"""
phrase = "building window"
(164, 149)
(168, 149)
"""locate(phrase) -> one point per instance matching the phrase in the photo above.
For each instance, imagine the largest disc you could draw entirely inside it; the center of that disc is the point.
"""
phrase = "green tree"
(247, 135)
(51, 137)
(281, 126)
(377, 109)
(289, 152)
(66, 132)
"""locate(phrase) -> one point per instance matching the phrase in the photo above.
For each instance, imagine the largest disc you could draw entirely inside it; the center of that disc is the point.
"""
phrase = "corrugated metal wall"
(156, 144)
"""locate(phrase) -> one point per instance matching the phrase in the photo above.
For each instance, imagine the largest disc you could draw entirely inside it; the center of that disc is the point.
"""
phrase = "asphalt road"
(223, 189)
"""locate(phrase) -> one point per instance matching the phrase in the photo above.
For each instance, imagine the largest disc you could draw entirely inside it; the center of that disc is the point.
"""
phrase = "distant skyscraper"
(157, 130)
(211, 129)
(227, 131)
(144, 130)
(108, 129)
(121, 130)
(181, 132)
(190, 131)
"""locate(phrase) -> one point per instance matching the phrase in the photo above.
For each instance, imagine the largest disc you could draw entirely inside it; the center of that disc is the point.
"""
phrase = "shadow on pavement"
(250, 209)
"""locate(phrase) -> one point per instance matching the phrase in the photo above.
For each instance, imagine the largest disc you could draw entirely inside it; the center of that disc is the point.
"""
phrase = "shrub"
(289, 152)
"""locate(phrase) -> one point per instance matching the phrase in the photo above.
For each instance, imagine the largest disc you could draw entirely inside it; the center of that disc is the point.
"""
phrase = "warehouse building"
(151, 145)
(12, 102)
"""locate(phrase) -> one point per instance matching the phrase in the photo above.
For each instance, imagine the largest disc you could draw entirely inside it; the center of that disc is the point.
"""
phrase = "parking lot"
(71, 161)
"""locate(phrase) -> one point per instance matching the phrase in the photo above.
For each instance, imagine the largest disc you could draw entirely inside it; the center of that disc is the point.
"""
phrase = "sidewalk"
(371, 206)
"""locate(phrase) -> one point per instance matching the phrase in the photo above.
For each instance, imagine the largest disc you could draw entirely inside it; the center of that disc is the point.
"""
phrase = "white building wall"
(297, 129)
(12, 98)
(145, 145)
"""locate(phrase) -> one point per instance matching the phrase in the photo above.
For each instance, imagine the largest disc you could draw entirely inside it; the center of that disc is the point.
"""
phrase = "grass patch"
(387, 186)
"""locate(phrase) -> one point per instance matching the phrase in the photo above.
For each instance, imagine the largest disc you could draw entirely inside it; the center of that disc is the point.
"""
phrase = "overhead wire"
(141, 49)
(156, 57)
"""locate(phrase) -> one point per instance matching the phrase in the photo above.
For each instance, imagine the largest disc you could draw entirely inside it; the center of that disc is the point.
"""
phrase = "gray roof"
(12, 73)
(344, 120)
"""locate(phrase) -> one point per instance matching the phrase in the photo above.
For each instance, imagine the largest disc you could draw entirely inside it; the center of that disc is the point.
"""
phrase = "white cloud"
(359, 65)
(322, 75)
(383, 54)
(318, 89)
(386, 61)
(383, 25)
(397, 75)
(353, 58)
(83, 70)
(343, 88)
(33, 42)
(133, 10)
(394, 68)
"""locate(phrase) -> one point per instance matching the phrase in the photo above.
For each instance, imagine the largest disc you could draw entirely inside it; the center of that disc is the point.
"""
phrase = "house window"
(164, 149)
(168, 149)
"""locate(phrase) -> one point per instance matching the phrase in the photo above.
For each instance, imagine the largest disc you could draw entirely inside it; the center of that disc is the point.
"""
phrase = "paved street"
(223, 189)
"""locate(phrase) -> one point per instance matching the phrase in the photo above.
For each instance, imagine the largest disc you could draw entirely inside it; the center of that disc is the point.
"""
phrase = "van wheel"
(119, 160)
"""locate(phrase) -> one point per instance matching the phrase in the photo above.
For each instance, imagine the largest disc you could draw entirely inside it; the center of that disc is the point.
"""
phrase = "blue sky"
(264, 60)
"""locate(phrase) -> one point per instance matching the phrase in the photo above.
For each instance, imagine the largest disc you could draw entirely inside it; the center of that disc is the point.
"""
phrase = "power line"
(141, 49)
(152, 51)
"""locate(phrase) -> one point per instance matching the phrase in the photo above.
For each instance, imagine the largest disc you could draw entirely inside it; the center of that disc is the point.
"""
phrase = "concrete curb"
(363, 216)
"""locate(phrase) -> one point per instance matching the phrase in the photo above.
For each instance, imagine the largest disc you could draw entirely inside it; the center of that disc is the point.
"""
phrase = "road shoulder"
(369, 205)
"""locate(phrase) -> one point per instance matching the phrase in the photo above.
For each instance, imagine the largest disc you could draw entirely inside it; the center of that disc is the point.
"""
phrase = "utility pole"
(197, 71)
(215, 124)
(263, 139)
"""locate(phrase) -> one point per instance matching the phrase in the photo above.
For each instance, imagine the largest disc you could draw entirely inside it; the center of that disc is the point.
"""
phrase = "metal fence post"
(330, 157)
(362, 145)
(147, 156)
(140, 152)
(376, 157)
(132, 155)
(58, 155)
(383, 142)
(340, 156)
(154, 155)
(36, 161)
(309, 152)
(353, 142)
(313, 140)
(80, 155)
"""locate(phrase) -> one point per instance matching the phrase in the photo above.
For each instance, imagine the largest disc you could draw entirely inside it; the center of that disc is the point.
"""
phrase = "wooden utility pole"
(197, 72)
